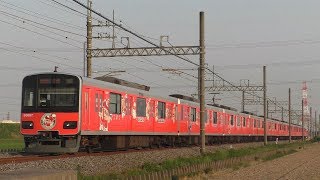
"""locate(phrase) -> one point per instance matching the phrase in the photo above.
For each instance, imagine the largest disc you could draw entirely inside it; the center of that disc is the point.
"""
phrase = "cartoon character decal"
(48, 121)
(104, 115)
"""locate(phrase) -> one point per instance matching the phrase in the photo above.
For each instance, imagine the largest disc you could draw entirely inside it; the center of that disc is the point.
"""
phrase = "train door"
(178, 116)
(86, 111)
(189, 121)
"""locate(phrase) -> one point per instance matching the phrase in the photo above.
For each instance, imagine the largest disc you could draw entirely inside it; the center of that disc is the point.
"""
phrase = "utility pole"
(84, 59)
(302, 119)
(318, 125)
(89, 38)
(315, 123)
(265, 105)
(267, 108)
(202, 87)
(8, 115)
(310, 123)
(289, 115)
(242, 104)
(317, 129)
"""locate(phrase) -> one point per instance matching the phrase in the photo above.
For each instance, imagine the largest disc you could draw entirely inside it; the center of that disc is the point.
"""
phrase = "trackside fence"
(196, 168)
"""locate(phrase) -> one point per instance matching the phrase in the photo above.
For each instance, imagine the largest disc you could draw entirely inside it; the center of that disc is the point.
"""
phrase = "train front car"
(50, 115)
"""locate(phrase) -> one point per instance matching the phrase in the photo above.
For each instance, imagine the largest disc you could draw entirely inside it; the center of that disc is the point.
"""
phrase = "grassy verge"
(11, 144)
(281, 149)
(10, 137)
(279, 154)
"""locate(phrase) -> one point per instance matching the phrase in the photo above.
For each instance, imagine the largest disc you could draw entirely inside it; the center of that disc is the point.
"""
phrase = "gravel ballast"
(92, 165)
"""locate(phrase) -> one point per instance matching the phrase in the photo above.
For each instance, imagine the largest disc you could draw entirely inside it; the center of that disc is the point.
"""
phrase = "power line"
(41, 59)
(40, 34)
(26, 20)
(41, 16)
(264, 44)
(75, 12)
(34, 51)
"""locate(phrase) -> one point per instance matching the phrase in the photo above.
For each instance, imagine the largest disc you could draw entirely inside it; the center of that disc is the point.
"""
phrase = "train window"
(28, 97)
(161, 110)
(182, 113)
(254, 123)
(127, 103)
(206, 116)
(231, 120)
(215, 119)
(193, 114)
(141, 107)
(244, 121)
(238, 121)
(86, 99)
(115, 103)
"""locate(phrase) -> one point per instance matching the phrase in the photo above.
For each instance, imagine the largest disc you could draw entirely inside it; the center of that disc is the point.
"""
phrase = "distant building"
(9, 121)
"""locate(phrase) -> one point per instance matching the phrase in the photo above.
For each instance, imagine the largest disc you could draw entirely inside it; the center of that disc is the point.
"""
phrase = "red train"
(65, 113)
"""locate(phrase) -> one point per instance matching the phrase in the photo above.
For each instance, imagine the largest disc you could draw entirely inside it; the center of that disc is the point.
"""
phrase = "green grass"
(279, 154)
(10, 137)
(10, 131)
(282, 149)
(11, 144)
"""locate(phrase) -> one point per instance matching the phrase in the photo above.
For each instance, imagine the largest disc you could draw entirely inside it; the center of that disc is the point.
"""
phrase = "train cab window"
(231, 120)
(215, 119)
(193, 114)
(244, 121)
(141, 107)
(161, 110)
(115, 103)
(28, 97)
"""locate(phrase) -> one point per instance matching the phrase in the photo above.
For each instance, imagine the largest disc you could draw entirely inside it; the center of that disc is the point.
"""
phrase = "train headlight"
(27, 125)
(70, 125)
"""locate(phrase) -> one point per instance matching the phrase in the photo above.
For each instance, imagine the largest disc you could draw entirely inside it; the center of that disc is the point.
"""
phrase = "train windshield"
(50, 92)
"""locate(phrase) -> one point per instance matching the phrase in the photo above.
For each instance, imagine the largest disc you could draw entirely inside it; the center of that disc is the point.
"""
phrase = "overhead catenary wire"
(40, 16)
(264, 44)
(47, 36)
(40, 59)
(25, 20)
(33, 51)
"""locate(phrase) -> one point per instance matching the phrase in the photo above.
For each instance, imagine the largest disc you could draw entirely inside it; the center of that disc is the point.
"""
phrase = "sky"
(240, 37)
